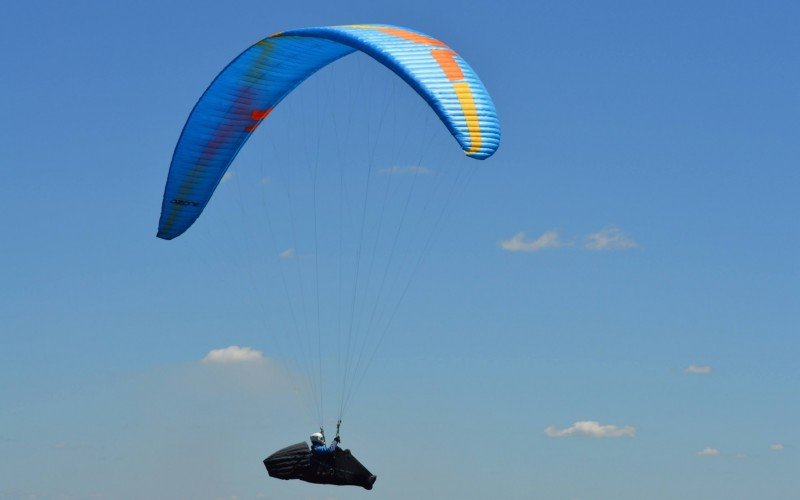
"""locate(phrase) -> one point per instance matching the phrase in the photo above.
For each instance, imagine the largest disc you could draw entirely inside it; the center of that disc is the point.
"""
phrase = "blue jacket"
(321, 449)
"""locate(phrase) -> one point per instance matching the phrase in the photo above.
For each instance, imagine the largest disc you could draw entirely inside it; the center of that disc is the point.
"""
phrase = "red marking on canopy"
(260, 114)
(257, 115)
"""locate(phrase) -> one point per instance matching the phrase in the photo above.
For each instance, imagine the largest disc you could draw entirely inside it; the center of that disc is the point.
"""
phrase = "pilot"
(318, 446)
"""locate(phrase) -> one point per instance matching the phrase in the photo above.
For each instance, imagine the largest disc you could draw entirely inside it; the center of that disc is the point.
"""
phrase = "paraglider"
(247, 91)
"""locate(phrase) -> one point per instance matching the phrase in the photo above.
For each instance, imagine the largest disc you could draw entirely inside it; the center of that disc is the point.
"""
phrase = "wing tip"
(480, 154)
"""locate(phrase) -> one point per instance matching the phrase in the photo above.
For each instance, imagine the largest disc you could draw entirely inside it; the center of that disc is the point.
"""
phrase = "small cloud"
(233, 354)
(226, 177)
(776, 447)
(60, 445)
(707, 452)
(697, 369)
(405, 170)
(518, 243)
(592, 429)
(287, 254)
(740, 456)
(610, 238)
(264, 180)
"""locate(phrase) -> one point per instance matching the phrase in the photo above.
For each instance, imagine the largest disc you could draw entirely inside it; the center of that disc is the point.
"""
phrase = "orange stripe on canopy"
(410, 35)
(446, 59)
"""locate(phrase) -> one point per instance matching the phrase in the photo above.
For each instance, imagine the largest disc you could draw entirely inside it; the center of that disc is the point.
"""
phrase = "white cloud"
(405, 170)
(593, 429)
(707, 452)
(697, 369)
(264, 180)
(226, 177)
(609, 238)
(776, 447)
(518, 243)
(740, 456)
(233, 354)
(287, 254)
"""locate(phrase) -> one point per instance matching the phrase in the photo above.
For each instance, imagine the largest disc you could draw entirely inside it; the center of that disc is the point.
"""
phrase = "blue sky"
(671, 126)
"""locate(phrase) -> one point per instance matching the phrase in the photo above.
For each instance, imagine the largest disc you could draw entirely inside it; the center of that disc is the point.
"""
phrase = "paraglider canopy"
(250, 87)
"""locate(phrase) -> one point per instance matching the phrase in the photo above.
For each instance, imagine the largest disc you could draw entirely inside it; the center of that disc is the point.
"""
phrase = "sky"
(608, 311)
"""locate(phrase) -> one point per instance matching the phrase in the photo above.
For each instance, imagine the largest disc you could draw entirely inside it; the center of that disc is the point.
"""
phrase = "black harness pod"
(298, 462)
